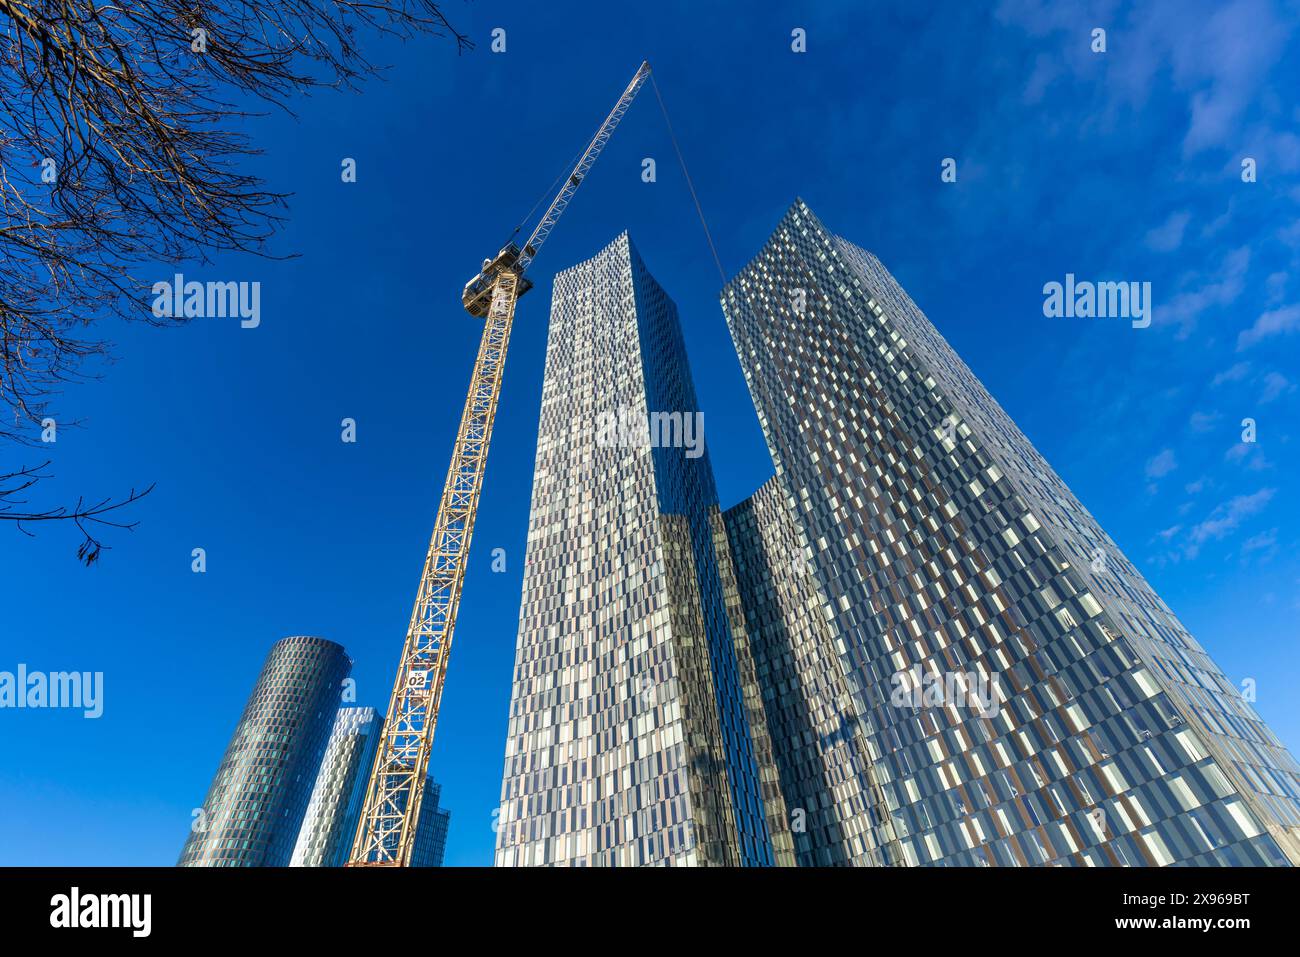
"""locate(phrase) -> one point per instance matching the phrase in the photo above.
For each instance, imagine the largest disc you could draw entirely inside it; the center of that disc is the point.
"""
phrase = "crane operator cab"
(478, 291)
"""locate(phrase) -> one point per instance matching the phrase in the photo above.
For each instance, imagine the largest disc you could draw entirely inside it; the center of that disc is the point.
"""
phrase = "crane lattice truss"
(386, 831)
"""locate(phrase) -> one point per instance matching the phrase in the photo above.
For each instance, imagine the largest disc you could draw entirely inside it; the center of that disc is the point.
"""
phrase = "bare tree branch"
(84, 515)
(122, 149)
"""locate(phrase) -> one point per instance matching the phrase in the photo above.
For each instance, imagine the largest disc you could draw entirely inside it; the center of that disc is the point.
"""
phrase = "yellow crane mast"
(386, 831)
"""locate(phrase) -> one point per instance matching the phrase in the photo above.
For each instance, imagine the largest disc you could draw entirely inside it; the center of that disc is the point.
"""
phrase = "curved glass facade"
(257, 801)
(325, 839)
(334, 811)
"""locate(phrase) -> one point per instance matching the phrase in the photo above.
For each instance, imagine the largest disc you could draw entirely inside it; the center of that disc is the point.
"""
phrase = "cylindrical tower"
(259, 795)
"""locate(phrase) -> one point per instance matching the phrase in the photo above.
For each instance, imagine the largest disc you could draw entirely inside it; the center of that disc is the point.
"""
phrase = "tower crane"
(386, 831)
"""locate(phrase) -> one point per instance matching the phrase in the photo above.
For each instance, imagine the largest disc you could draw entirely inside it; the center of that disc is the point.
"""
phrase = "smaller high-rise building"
(325, 839)
(431, 830)
(255, 807)
(822, 757)
(334, 810)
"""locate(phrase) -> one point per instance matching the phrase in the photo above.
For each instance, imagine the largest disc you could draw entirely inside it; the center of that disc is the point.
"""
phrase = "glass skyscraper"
(325, 838)
(1018, 694)
(430, 842)
(431, 830)
(256, 804)
(636, 734)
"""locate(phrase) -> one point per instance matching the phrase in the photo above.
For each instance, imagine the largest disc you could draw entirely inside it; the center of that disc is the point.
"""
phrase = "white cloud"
(1234, 374)
(1161, 464)
(1266, 541)
(1224, 58)
(1272, 323)
(1249, 454)
(1276, 286)
(1046, 69)
(1215, 54)
(1186, 307)
(1168, 236)
(1226, 519)
(1275, 385)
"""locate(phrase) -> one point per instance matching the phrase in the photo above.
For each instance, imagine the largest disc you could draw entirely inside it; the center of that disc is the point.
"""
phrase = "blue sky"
(1121, 165)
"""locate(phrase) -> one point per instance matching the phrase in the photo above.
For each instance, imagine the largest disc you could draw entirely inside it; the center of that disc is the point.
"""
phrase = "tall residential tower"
(1020, 692)
(636, 734)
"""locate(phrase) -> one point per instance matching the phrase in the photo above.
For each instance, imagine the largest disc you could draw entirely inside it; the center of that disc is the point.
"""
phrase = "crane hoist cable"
(689, 184)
